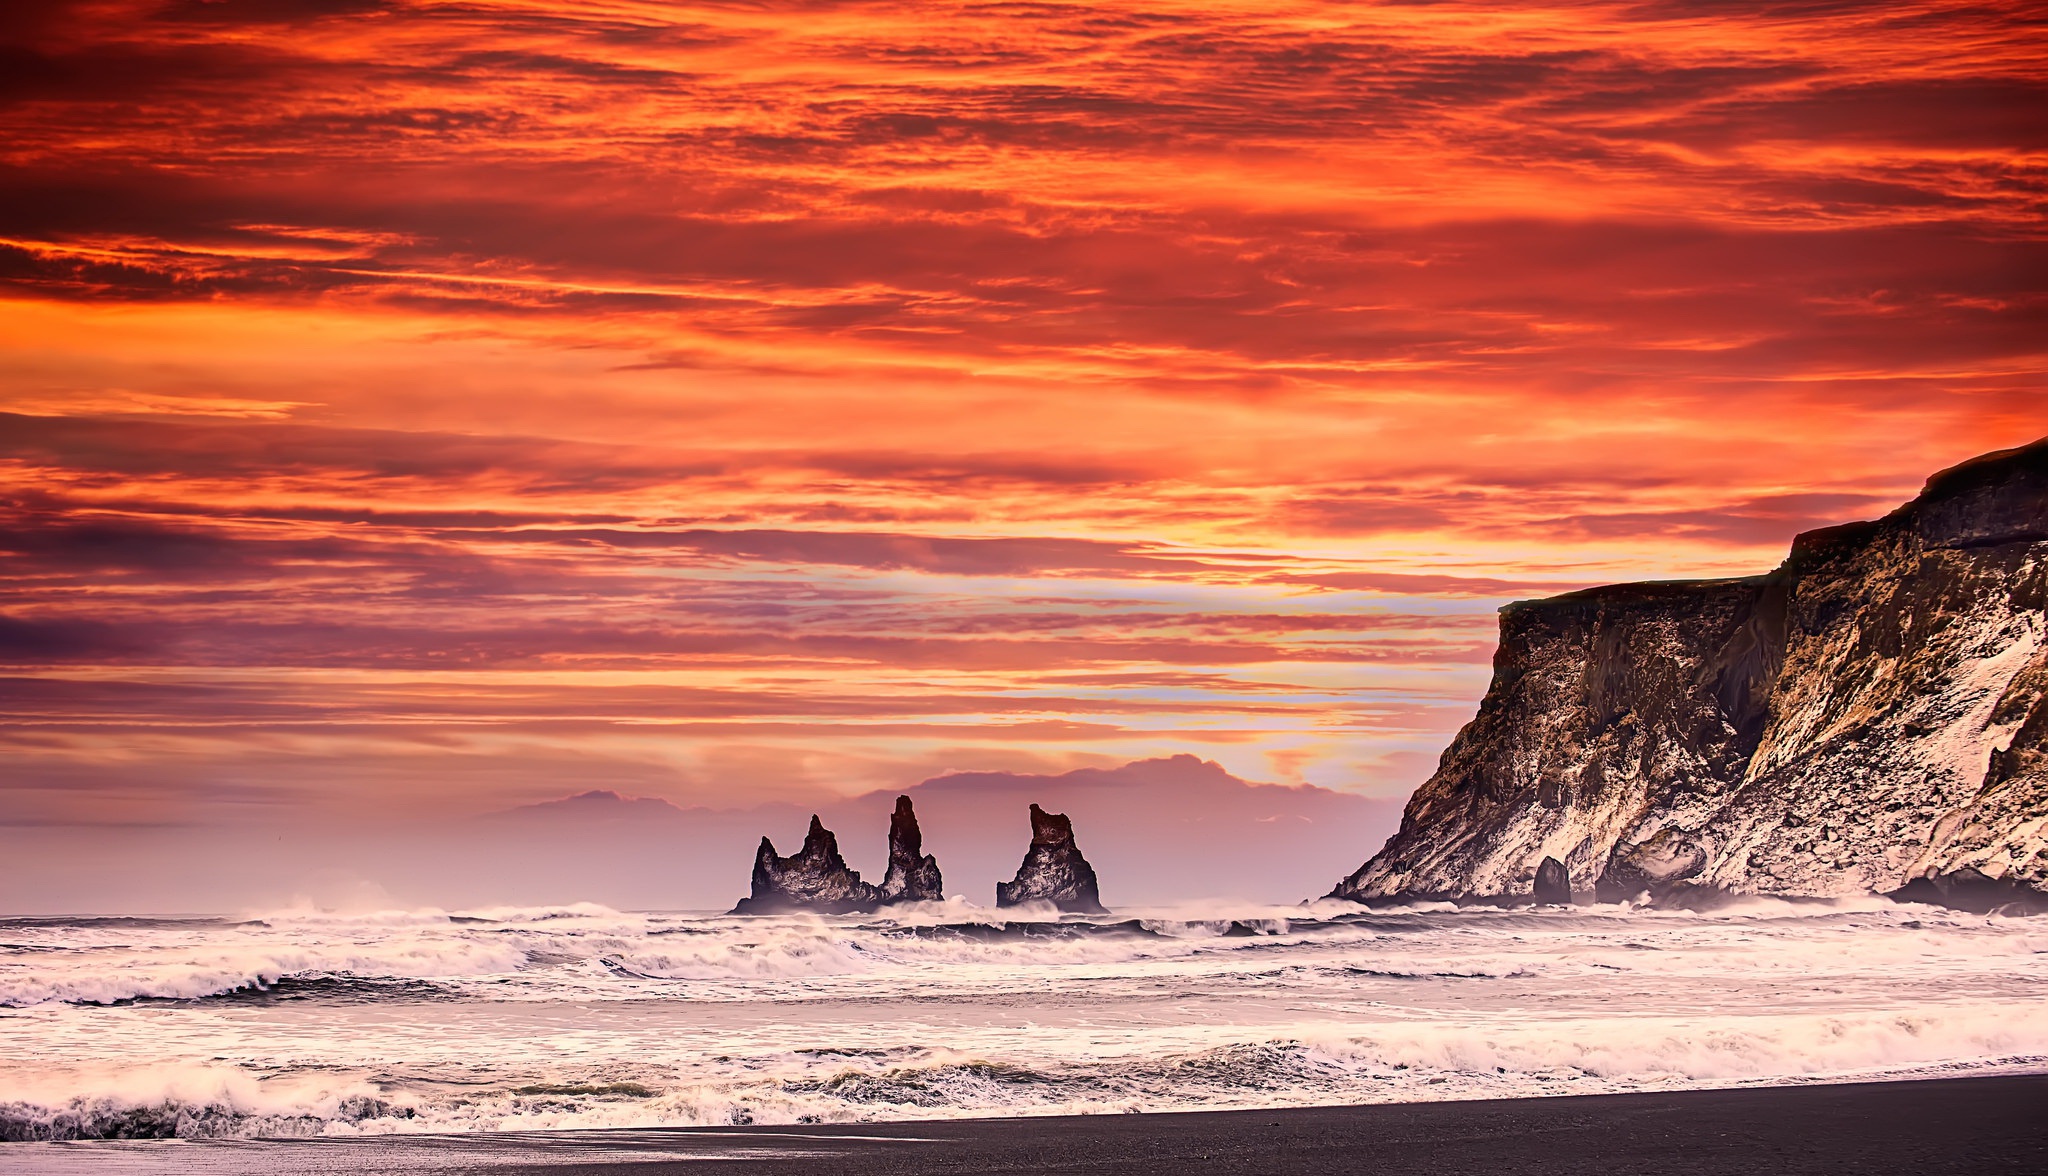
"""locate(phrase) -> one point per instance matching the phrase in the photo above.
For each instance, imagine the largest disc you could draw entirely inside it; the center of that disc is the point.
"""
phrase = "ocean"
(305, 1023)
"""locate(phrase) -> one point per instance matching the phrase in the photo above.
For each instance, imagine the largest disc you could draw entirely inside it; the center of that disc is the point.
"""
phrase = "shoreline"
(1979, 1125)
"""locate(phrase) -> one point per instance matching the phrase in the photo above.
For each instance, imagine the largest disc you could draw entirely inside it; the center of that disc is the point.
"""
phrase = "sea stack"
(1870, 718)
(1054, 870)
(913, 874)
(1553, 883)
(814, 879)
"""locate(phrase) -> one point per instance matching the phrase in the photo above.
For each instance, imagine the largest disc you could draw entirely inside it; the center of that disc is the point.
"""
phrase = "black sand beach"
(1976, 1126)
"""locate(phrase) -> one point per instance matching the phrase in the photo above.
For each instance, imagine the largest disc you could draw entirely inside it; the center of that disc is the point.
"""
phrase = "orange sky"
(421, 408)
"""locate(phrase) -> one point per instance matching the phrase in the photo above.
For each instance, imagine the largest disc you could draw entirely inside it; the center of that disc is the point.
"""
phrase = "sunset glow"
(420, 409)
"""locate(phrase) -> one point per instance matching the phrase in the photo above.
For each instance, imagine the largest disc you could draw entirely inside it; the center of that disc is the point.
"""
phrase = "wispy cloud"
(799, 396)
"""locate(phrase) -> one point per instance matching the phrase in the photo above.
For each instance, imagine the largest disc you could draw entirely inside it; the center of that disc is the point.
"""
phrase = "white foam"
(188, 1100)
(584, 1017)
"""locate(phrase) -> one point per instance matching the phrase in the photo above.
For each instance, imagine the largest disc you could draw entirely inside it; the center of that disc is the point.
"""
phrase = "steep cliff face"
(1867, 718)
(815, 878)
(1053, 870)
(913, 875)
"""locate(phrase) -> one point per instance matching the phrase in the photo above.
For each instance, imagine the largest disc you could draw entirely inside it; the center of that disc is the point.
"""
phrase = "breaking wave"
(304, 1023)
(189, 1102)
(1418, 1063)
(221, 973)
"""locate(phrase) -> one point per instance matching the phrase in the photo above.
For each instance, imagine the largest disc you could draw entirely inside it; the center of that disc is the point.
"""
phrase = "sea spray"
(299, 1022)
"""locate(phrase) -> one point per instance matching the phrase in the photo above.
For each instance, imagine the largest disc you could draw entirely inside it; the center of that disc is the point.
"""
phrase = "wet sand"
(1979, 1126)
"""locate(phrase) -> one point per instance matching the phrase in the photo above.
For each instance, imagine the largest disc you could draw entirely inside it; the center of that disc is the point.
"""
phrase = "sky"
(415, 411)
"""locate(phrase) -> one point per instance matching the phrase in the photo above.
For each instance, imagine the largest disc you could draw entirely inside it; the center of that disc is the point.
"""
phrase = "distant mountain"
(599, 805)
(1157, 830)
(1871, 717)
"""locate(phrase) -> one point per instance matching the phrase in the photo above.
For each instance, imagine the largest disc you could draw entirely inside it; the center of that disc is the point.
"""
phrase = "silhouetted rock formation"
(913, 874)
(814, 879)
(1553, 882)
(1868, 718)
(1053, 870)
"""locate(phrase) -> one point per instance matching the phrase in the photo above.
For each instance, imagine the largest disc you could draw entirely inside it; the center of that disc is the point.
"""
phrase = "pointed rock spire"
(815, 878)
(820, 842)
(913, 874)
(1053, 870)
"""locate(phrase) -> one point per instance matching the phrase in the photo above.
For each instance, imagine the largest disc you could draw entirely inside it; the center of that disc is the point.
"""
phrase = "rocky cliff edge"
(1868, 718)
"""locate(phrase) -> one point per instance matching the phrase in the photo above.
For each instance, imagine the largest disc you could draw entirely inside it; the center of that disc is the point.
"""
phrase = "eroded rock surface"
(814, 878)
(1553, 882)
(1867, 718)
(913, 875)
(1053, 870)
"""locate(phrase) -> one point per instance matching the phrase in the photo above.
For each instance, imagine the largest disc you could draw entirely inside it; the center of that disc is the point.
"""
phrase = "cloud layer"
(419, 408)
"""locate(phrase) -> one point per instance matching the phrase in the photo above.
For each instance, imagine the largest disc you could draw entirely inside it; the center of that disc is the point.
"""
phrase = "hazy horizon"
(1227, 839)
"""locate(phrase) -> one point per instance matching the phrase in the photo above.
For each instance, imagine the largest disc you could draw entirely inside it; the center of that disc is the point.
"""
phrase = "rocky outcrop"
(1868, 718)
(913, 875)
(1553, 882)
(815, 878)
(1053, 870)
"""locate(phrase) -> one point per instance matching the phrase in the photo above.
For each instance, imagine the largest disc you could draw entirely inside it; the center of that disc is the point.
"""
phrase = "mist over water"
(1164, 829)
(300, 1023)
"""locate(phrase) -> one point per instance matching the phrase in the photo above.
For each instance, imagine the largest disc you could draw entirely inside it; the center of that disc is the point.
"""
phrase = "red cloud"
(897, 390)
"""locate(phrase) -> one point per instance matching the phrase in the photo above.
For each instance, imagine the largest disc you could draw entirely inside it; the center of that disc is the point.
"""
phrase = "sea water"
(304, 1023)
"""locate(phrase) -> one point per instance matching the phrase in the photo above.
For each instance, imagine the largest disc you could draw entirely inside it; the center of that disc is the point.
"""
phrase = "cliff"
(1053, 870)
(1868, 718)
